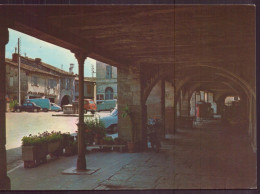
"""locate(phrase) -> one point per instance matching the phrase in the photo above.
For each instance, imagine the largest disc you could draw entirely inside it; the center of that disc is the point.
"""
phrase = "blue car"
(55, 107)
(111, 121)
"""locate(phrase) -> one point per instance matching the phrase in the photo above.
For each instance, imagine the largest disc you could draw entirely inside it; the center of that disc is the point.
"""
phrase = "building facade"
(106, 82)
(89, 88)
(39, 80)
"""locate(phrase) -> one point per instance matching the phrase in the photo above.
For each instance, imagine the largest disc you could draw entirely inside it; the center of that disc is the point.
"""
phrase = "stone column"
(185, 104)
(130, 93)
(5, 183)
(81, 161)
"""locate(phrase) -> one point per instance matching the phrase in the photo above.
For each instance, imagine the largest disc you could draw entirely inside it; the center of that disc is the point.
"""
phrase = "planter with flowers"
(94, 131)
(69, 144)
(34, 150)
(54, 143)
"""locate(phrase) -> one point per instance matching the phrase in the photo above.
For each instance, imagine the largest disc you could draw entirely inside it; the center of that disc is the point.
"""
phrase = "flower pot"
(70, 150)
(34, 155)
(131, 147)
(53, 146)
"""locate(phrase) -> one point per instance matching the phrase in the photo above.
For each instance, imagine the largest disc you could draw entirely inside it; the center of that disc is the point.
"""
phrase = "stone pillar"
(5, 183)
(185, 104)
(130, 93)
(169, 108)
(81, 161)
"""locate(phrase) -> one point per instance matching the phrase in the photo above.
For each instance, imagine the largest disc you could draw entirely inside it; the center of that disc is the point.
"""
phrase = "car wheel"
(45, 110)
(92, 112)
(35, 110)
(85, 111)
(18, 110)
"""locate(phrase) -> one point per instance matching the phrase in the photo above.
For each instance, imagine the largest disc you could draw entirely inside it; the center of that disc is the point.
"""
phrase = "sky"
(49, 53)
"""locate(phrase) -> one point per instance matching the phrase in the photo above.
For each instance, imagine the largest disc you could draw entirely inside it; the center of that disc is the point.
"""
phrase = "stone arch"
(66, 99)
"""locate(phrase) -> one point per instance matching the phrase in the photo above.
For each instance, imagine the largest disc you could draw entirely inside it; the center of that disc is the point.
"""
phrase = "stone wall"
(129, 90)
(153, 102)
(169, 107)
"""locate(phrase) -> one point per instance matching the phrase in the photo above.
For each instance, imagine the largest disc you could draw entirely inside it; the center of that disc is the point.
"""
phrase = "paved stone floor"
(211, 156)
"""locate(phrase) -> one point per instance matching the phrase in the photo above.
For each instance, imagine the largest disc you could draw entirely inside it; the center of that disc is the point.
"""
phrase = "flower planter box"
(70, 150)
(54, 147)
(34, 155)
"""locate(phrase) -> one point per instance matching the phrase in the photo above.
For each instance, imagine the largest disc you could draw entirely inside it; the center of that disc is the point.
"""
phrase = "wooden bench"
(108, 146)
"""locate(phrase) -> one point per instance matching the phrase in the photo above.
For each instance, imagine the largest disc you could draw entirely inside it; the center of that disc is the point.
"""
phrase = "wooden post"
(81, 161)
(5, 183)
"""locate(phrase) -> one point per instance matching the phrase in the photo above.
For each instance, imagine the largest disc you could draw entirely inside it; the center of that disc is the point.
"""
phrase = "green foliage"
(108, 140)
(13, 103)
(119, 141)
(41, 138)
(32, 140)
(93, 127)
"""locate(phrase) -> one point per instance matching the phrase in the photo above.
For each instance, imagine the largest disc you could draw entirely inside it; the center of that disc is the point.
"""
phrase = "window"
(52, 83)
(89, 89)
(100, 97)
(11, 83)
(35, 81)
(67, 84)
(108, 72)
(109, 94)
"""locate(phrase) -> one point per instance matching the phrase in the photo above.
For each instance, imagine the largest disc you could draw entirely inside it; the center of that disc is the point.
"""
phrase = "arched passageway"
(65, 100)
(178, 44)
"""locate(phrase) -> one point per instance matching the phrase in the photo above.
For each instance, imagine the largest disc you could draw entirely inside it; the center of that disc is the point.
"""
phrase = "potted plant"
(34, 150)
(71, 148)
(131, 144)
(68, 144)
(94, 130)
(12, 105)
(54, 140)
(88, 129)
(99, 131)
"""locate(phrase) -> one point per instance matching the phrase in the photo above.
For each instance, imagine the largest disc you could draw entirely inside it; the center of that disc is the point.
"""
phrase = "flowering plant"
(41, 138)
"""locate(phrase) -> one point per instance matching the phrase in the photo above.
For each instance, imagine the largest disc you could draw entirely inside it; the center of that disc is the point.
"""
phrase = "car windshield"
(114, 112)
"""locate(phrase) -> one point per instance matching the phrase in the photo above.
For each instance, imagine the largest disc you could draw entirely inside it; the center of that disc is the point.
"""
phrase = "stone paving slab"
(177, 166)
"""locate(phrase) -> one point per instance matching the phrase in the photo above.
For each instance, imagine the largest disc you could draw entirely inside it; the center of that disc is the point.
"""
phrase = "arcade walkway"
(212, 156)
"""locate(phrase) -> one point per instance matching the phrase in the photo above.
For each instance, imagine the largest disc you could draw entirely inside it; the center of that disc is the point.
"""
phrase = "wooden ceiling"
(218, 35)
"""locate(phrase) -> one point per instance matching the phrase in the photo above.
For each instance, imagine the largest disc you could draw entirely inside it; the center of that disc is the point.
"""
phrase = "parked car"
(28, 107)
(89, 105)
(44, 103)
(106, 105)
(111, 121)
(55, 107)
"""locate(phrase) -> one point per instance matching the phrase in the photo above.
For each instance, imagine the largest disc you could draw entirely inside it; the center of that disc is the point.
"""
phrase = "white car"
(111, 121)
